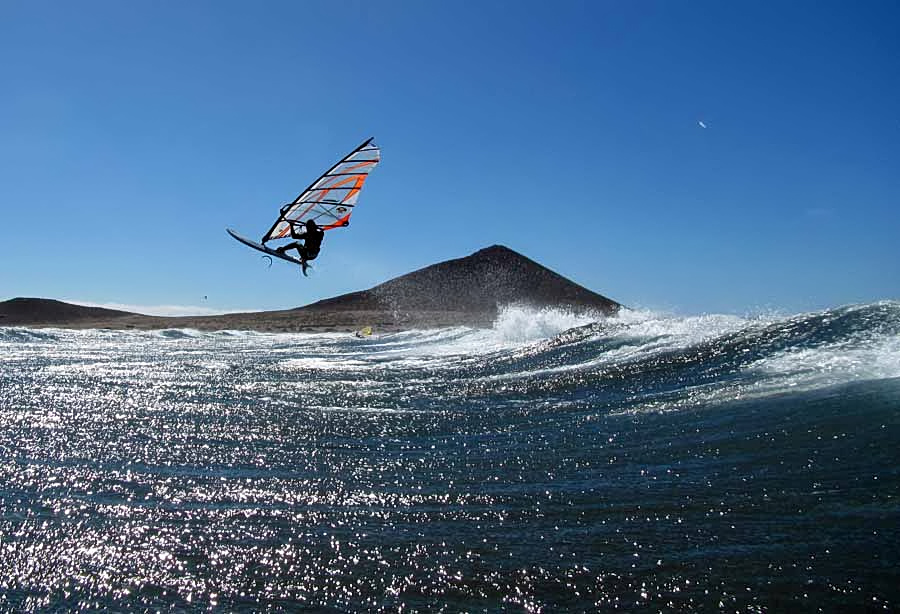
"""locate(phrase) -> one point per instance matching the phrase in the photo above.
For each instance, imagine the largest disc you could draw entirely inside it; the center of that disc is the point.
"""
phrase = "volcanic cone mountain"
(480, 283)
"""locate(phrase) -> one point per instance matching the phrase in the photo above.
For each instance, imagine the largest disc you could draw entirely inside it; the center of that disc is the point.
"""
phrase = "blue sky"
(134, 133)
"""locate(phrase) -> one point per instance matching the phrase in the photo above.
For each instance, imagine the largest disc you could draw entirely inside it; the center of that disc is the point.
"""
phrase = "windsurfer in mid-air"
(329, 200)
(312, 241)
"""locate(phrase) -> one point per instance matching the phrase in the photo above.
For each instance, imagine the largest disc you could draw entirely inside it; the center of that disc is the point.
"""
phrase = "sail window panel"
(330, 199)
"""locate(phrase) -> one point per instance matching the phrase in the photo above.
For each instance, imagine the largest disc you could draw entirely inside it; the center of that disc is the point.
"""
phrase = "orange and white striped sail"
(330, 200)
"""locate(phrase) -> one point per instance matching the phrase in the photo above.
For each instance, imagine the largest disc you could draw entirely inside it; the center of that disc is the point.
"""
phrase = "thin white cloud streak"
(157, 310)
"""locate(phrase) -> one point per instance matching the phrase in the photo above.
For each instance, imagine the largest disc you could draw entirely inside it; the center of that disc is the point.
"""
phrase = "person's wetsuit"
(312, 241)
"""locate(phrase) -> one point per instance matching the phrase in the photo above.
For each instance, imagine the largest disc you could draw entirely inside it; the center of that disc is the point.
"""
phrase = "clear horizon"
(688, 158)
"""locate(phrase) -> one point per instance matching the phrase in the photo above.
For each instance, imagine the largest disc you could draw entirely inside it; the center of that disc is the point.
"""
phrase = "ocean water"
(551, 463)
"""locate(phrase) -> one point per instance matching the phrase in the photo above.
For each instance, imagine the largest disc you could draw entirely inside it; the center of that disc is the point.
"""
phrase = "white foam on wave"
(324, 363)
(867, 356)
(631, 335)
(791, 371)
(849, 361)
(15, 335)
(682, 330)
(516, 324)
(646, 333)
(521, 328)
(404, 341)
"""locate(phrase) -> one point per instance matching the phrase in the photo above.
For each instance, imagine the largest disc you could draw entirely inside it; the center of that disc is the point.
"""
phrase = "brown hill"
(30, 311)
(465, 291)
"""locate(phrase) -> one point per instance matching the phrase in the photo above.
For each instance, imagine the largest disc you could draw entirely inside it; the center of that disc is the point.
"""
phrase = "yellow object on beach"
(365, 331)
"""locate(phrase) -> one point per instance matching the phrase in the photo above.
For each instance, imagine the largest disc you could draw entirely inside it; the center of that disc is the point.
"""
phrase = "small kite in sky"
(701, 124)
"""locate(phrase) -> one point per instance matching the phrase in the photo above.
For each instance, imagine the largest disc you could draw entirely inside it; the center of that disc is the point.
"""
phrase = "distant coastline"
(462, 292)
(288, 320)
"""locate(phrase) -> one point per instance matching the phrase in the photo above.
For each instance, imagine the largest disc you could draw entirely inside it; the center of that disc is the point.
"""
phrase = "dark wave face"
(552, 463)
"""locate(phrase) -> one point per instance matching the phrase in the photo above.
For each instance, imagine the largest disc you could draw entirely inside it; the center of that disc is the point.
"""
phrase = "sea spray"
(520, 324)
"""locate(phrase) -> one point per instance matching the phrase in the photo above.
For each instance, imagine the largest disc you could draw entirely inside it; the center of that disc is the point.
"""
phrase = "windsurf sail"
(330, 199)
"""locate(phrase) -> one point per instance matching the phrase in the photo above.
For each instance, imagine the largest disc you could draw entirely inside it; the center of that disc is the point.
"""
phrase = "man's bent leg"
(285, 248)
